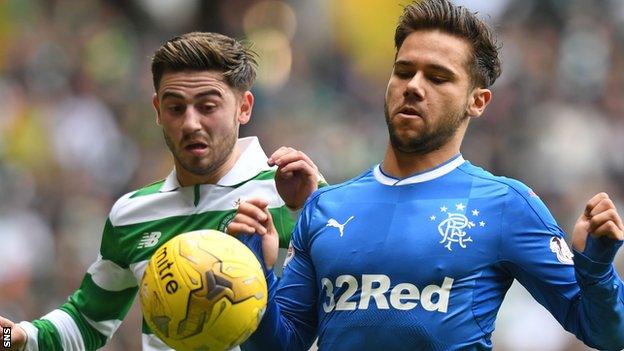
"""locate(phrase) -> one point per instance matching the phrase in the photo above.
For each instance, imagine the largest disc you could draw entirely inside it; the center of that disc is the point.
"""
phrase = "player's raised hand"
(253, 216)
(600, 218)
(297, 176)
(18, 335)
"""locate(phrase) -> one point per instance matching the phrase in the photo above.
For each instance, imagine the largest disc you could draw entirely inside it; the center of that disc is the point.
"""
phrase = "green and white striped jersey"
(139, 222)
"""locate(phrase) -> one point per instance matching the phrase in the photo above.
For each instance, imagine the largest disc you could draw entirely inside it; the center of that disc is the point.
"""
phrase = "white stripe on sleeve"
(107, 328)
(31, 344)
(109, 276)
(71, 338)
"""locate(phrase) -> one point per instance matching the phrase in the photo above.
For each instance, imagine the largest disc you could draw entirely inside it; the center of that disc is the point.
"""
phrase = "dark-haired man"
(202, 83)
(418, 252)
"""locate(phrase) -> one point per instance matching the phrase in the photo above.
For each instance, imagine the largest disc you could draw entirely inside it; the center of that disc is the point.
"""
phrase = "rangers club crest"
(455, 226)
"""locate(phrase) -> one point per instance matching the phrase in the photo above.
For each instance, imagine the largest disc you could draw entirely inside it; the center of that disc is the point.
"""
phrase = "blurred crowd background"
(77, 128)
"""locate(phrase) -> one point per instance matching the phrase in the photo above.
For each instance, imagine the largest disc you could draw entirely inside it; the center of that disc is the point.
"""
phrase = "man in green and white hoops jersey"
(202, 83)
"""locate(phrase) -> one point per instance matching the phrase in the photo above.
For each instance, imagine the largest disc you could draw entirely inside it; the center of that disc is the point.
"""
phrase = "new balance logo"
(149, 240)
(334, 223)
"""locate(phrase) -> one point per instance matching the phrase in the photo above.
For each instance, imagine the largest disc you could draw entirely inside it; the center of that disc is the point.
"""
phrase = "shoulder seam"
(158, 182)
(512, 187)
(329, 188)
(314, 198)
(118, 205)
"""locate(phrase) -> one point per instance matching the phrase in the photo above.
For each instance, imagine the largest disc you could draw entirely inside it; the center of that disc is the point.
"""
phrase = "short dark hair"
(204, 51)
(485, 66)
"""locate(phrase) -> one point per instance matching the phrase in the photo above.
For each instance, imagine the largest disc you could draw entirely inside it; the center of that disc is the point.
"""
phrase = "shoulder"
(483, 178)
(267, 175)
(519, 200)
(141, 195)
(341, 189)
(335, 199)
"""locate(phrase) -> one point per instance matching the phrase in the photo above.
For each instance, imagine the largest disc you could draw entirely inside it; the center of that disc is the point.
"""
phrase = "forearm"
(85, 322)
(601, 302)
(62, 329)
(275, 332)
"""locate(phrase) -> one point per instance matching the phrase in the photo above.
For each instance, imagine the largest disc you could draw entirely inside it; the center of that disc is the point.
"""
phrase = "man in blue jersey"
(418, 252)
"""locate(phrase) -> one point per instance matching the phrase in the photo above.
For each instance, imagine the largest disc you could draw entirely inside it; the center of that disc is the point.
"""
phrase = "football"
(203, 290)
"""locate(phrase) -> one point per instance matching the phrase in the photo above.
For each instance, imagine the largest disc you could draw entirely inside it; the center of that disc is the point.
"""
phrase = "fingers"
(243, 224)
(594, 201)
(18, 334)
(603, 217)
(298, 166)
(279, 153)
(6, 322)
(607, 223)
(255, 208)
(252, 217)
(285, 156)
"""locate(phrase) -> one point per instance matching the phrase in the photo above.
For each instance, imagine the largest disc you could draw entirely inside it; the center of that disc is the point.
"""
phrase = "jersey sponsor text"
(403, 296)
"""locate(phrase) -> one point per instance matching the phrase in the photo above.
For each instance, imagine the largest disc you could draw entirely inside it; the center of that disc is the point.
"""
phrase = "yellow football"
(203, 290)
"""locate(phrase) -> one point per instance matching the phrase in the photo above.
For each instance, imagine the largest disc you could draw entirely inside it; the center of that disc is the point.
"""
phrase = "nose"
(415, 86)
(192, 121)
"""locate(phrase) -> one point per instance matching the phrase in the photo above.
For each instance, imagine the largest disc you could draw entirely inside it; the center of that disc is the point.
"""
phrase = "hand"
(18, 335)
(253, 216)
(297, 176)
(600, 218)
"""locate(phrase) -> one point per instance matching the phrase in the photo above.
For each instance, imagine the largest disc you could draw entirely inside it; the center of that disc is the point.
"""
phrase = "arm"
(596, 238)
(93, 313)
(585, 295)
(290, 321)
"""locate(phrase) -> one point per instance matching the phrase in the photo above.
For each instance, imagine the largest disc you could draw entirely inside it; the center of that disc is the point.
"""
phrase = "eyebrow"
(175, 95)
(431, 66)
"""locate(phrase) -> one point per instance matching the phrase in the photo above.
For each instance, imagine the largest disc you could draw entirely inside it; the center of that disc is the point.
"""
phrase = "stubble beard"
(219, 153)
(431, 138)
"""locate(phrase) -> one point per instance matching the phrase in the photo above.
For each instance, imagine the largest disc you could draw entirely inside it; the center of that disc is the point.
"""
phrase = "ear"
(156, 104)
(246, 105)
(478, 101)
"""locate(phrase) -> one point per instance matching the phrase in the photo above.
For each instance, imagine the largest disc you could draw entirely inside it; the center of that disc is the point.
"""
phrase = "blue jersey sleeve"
(290, 321)
(584, 293)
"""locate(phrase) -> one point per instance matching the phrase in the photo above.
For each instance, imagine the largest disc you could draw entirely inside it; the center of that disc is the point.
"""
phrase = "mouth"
(409, 112)
(196, 148)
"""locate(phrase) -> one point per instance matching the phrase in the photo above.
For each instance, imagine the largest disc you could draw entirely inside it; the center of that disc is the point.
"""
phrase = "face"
(200, 117)
(430, 95)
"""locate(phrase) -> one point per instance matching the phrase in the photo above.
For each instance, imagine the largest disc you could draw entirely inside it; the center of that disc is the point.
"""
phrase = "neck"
(187, 178)
(399, 164)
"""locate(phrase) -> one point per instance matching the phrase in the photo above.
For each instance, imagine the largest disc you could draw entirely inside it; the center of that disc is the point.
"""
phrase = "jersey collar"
(427, 175)
(251, 161)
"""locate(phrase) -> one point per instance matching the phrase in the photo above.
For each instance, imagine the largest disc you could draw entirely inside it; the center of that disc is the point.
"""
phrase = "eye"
(438, 79)
(175, 108)
(207, 107)
(403, 74)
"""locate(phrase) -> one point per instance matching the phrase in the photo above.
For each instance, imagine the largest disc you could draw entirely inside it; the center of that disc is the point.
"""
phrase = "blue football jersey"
(423, 263)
